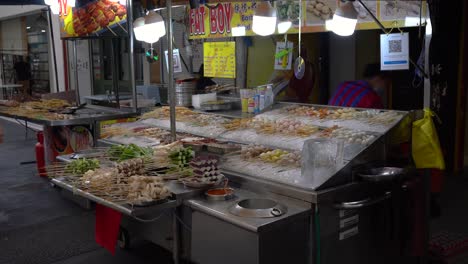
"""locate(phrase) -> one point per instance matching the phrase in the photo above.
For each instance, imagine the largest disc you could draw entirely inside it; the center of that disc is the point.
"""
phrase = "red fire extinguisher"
(40, 154)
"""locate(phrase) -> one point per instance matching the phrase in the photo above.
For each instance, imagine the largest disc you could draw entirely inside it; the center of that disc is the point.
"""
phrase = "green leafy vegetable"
(131, 151)
(80, 166)
(182, 156)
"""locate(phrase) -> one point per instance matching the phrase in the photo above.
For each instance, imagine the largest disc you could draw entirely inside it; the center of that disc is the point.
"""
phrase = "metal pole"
(75, 62)
(170, 58)
(427, 80)
(131, 53)
(115, 72)
(53, 48)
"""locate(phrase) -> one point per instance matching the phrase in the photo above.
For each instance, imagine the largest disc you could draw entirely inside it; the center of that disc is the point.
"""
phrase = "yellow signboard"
(219, 59)
(234, 19)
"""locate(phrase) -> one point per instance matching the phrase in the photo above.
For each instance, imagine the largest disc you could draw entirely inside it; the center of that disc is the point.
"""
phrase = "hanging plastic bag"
(425, 146)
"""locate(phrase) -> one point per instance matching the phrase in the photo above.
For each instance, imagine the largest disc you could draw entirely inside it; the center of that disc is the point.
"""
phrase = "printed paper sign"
(176, 61)
(219, 59)
(394, 52)
(283, 56)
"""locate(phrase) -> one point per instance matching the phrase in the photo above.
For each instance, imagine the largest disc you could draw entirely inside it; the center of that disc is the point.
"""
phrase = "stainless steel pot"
(184, 92)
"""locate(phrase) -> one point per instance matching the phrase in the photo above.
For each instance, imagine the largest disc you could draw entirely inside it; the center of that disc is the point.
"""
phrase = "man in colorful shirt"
(364, 93)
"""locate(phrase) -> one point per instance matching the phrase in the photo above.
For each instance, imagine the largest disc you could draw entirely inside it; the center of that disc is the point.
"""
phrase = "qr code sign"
(394, 46)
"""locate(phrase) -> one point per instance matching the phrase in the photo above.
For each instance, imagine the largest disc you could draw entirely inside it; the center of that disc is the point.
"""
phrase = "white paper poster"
(394, 52)
(176, 61)
(283, 62)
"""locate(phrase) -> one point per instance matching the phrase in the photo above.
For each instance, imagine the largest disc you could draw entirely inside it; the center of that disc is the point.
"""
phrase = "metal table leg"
(26, 130)
(175, 234)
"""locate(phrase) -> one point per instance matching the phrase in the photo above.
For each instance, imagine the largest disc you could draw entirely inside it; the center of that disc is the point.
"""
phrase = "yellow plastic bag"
(425, 146)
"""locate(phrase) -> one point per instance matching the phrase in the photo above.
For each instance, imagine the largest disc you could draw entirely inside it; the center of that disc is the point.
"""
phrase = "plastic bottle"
(262, 102)
(256, 104)
(251, 105)
(269, 96)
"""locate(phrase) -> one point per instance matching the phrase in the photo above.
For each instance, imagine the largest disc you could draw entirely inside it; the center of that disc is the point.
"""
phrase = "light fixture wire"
(300, 26)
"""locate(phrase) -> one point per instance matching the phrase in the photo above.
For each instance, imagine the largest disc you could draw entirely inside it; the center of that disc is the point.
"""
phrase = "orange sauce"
(219, 192)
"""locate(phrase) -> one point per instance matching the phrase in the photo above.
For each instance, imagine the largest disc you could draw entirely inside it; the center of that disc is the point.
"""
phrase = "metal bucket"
(184, 92)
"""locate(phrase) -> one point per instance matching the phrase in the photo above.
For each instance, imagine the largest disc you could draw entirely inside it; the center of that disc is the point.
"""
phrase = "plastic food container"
(199, 99)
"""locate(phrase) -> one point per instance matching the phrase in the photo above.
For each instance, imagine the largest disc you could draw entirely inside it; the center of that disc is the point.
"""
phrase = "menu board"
(219, 59)
(90, 19)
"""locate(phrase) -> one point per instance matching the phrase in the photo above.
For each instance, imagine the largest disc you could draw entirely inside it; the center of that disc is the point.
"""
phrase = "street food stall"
(260, 181)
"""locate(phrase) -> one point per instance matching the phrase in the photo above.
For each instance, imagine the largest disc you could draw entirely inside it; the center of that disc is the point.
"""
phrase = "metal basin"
(260, 208)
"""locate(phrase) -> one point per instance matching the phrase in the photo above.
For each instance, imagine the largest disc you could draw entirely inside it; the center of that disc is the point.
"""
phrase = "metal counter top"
(87, 115)
(220, 209)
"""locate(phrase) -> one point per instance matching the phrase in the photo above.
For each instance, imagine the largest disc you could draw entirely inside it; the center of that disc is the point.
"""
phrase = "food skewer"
(122, 28)
(111, 30)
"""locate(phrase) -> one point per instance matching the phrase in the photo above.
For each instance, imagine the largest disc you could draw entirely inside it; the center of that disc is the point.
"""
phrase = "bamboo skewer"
(111, 31)
(122, 28)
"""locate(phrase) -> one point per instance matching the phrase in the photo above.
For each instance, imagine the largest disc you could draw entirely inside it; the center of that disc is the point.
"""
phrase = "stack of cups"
(245, 94)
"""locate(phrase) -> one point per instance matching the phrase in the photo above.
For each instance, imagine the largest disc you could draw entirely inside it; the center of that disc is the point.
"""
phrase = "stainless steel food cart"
(340, 218)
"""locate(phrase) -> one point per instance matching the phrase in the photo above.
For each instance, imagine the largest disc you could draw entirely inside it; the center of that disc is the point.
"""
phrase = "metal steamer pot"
(184, 91)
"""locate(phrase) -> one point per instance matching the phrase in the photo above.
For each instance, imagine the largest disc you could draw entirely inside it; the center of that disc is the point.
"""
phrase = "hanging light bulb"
(284, 26)
(149, 28)
(154, 27)
(138, 25)
(264, 19)
(54, 6)
(344, 20)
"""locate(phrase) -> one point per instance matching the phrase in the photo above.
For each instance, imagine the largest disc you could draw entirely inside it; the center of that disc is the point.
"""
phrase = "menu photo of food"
(288, 10)
(319, 11)
(95, 19)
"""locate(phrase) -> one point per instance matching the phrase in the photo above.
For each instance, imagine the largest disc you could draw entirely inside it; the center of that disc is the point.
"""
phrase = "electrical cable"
(182, 222)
